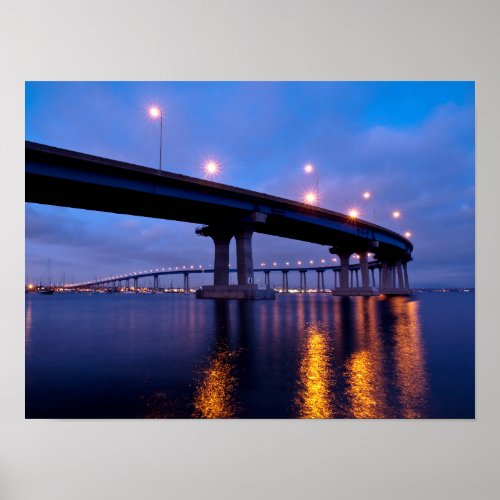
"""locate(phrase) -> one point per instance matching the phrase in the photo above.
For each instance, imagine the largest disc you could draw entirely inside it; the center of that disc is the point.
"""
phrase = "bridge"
(131, 280)
(61, 177)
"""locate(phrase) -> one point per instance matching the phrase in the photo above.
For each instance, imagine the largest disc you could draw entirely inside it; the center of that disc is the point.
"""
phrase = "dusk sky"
(410, 144)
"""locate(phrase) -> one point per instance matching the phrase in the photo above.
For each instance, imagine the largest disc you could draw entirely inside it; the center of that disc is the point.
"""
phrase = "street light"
(155, 112)
(211, 168)
(368, 196)
(397, 216)
(310, 198)
(309, 169)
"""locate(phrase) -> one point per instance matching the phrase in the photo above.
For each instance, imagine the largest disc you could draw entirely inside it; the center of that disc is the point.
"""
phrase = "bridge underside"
(70, 179)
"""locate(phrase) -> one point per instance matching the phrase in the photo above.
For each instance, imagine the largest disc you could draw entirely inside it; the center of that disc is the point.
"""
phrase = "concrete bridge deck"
(66, 178)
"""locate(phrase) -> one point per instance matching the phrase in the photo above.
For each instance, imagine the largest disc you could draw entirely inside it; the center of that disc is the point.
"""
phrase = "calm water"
(310, 356)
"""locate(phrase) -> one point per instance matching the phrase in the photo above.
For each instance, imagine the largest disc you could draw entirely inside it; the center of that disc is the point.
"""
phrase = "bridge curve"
(61, 177)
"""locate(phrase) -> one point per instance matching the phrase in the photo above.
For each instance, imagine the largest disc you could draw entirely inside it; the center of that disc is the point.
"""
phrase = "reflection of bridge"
(132, 280)
(59, 177)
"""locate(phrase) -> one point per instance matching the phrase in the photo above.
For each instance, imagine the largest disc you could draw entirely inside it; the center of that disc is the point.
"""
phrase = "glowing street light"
(309, 169)
(407, 234)
(211, 168)
(310, 198)
(353, 213)
(367, 196)
(396, 214)
(155, 112)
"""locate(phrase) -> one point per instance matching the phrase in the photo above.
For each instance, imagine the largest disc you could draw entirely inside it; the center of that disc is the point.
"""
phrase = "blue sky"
(411, 144)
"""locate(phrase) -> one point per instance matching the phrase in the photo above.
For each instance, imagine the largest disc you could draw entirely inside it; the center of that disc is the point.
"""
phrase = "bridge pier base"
(251, 292)
(352, 292)
(221, 289)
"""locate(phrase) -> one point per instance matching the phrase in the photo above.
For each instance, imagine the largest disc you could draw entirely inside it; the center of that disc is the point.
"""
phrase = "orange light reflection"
(409, 357)
(214, 395)
(314, 398)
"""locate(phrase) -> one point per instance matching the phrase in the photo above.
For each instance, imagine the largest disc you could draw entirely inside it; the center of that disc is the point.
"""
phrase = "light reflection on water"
(214, 395)
(411, 375)
(216, 381)
(370, 365)
(365, 402)
(364, 367)
(300, 356)
(315, 398)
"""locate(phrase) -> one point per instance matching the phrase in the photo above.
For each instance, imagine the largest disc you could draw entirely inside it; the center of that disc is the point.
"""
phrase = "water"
(300, 356)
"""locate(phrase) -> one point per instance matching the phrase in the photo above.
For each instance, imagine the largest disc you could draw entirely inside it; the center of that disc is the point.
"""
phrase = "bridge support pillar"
(405, 271)
(284, 288)
(244, 257)
(336, 280)
(155, 282)
(186, 282)
(267, 279)
(136, 283)
(221, 289)
(221, 260)
(346, 286)
(394, 278)
(343, 288)
(303, 280)
(321, 281)
(399, 267)
(366, 288)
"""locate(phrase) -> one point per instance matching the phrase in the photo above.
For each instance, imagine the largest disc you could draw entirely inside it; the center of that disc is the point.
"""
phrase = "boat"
(46, 290)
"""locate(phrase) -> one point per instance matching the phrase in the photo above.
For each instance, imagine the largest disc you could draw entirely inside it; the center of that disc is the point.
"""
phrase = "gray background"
(248, 40)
